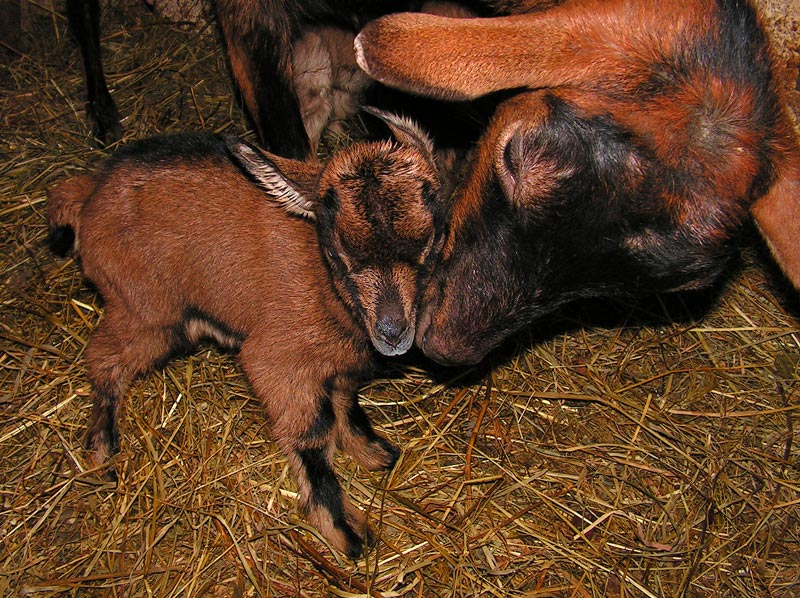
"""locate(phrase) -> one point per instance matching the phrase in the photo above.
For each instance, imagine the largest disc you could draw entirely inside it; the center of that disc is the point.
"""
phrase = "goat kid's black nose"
(391, 328)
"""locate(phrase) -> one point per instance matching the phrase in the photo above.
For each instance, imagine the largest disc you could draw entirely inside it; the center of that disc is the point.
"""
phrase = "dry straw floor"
(623, 449)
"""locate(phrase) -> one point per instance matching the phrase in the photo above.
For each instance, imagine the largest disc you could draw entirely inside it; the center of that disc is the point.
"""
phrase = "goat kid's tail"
(64, 203)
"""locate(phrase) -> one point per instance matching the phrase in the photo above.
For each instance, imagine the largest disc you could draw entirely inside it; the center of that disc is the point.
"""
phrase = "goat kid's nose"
(392, 333)
(392, 328)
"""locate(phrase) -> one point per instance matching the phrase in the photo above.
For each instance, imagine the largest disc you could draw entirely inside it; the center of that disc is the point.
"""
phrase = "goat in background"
(292, 62)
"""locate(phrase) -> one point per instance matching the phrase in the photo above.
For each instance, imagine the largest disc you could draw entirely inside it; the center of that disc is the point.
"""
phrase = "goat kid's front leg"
(355, 434)
(303, 423)
(322, 498)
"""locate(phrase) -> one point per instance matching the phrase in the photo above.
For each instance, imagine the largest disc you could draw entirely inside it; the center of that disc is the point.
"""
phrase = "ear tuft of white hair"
(267, 176)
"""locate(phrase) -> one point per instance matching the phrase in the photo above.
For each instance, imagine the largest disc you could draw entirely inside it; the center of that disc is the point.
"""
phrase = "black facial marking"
(431, 199)
(326, 222)
(330, 200)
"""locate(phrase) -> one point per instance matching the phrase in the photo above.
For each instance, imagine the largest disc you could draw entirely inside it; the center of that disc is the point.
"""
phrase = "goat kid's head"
(380, 220)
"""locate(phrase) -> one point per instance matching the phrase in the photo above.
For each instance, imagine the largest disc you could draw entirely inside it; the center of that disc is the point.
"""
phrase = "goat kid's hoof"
(348, 533)
(392, 452)
(377, 454)
(355, 550)
(100, 452)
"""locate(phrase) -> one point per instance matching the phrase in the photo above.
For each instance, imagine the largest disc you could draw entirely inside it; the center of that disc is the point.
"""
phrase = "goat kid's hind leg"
(356, 435)
(117, 352)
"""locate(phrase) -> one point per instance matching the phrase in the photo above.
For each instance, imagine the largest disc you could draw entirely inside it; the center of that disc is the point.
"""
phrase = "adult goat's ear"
(466, 58)
(427, 54)
(777, 215)
(265, 171)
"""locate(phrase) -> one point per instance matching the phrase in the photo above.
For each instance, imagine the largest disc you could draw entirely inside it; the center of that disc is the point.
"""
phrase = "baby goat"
(196, 237)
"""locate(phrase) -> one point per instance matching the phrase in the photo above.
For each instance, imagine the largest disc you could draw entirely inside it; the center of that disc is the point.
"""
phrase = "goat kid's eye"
(426, 252)
(340, 263)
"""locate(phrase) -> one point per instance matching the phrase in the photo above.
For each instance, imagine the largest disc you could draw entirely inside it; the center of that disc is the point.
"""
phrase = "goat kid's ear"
(405, 130)
(266, 173)
(777, 215)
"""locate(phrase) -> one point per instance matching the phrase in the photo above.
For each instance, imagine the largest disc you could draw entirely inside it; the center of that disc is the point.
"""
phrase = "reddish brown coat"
(193, 236)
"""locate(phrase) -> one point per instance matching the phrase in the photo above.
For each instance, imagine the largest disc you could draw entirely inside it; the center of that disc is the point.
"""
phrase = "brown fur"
(643, 136)
(578, 43)
(189, 237)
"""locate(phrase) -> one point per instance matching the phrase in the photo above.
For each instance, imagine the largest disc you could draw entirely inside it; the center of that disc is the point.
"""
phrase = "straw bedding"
(620, 449)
